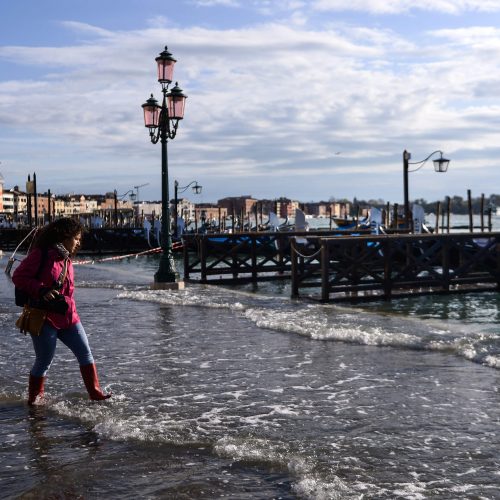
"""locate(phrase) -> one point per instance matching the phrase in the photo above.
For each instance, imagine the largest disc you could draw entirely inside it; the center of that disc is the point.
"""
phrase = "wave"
(329, 322)
(114, 421)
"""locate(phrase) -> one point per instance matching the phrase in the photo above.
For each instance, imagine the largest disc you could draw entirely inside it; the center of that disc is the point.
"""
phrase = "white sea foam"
(182, 298)
(329, 322)
(110, 422)
(307, 483)
(317, 488)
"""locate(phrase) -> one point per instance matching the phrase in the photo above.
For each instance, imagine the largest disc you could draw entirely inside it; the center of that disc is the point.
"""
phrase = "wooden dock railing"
(240, 257)
(345, 267)
(368, 267)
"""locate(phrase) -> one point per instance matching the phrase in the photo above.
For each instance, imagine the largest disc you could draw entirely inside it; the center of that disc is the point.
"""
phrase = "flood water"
(242, 392)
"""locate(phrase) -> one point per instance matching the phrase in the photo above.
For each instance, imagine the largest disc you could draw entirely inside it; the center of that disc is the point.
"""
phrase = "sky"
(308, 99)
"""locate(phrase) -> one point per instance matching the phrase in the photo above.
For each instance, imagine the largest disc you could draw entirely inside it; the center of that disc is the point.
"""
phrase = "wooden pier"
(333, 267)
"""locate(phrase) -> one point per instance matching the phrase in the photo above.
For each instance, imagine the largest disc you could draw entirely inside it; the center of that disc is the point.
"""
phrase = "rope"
(12, 258)
(117, 257)
(307, 256)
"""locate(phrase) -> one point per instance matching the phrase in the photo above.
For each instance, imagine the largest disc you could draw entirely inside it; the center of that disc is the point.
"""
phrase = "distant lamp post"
(440, 165)
(196, 190)
(162, 122)
(120, 197)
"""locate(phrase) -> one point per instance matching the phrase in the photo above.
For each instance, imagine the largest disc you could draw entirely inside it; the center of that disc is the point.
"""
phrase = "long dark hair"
(57, 232)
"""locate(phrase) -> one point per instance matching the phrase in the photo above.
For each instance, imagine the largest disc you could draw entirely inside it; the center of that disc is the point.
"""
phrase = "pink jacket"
(24, 278)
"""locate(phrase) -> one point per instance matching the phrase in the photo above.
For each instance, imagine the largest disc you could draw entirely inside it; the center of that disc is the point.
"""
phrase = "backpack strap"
(64, 272)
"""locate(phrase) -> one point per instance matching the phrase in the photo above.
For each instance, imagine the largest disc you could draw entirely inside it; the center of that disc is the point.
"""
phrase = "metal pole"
(406, 158)
(115, 196)
(49, 199)
(166, 272)
(35, 195)
(176, 185)
(28, 201)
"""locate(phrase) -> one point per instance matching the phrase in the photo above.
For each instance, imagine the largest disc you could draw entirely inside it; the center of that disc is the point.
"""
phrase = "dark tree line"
(458, 204)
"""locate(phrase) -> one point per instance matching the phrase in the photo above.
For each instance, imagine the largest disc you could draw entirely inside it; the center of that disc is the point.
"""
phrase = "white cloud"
(213, 3)
(274, 98)
(401, 6)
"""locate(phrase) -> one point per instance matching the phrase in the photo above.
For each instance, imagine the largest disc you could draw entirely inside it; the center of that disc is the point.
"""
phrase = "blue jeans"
(73, 337)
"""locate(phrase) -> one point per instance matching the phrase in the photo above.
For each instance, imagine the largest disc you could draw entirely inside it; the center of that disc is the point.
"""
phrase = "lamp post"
(440, 165)
(196, 190)
(120, 197)
(162, 122)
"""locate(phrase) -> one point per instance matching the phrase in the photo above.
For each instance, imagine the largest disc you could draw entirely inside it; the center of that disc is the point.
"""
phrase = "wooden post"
(395, 216)
(219, 221)
(482, 212)
(295, 279)
(203, 256)
(388, 215)
(29, 191)
(234, 257)
(35, 198)
(448, 213)
(387, 249)
(115, 208)
(254, 254)
(490, 227)
(330, 212)
(280, 242)
(185, 255)
(325, 289)
(49, 200)
(438, 214)
(445, 263)
(469, 202)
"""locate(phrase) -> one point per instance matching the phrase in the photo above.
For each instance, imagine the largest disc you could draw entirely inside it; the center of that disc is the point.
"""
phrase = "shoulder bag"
(32, 318)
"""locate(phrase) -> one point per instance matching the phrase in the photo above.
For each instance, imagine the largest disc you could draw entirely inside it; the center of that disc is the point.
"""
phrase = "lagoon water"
(243, 393)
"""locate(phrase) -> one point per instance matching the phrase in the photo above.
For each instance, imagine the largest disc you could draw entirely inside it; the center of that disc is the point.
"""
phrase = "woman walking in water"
(46, 275)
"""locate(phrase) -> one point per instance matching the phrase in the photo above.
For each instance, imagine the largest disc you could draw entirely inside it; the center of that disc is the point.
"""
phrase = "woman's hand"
(50, 295)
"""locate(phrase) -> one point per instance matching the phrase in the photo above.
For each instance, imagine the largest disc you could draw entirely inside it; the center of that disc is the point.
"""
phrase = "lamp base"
(175, 285)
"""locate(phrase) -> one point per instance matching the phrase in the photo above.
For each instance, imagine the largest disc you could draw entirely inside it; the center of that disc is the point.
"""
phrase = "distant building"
(185, 208)
(148, 209)
(210, 212)
(7, 202)
(327, 209)
(237, 204)
(286, 207)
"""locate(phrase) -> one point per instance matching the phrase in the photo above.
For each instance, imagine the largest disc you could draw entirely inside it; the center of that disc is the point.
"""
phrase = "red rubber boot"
(89, 375)
(35, 388)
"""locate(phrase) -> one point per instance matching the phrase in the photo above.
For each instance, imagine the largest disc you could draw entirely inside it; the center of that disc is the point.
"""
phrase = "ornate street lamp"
(196, 190)
(162, 122)
(440, 165)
